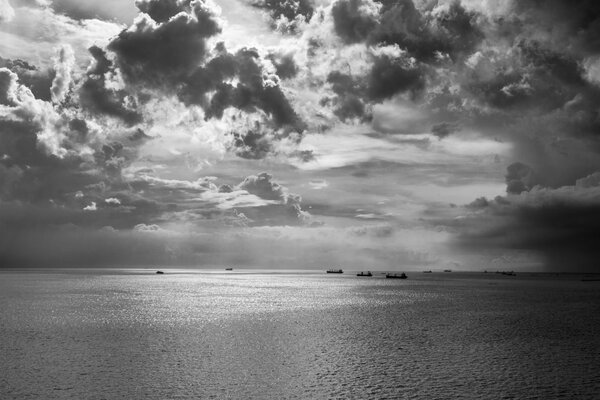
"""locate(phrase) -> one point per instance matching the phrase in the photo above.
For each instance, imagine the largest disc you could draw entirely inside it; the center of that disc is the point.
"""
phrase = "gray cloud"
(444, 129)
(39, 82)
(519, 178)
(165, 53)
(424, 34)
(286, 14)
(560, 224)
(351, 22)
(162, 10)
(575, 22)
(95, 95)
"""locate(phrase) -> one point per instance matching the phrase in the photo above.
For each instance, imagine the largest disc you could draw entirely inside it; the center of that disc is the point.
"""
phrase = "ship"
(368, 273)
(335, 271)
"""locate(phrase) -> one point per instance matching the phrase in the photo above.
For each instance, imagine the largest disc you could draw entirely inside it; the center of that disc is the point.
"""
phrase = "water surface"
(131, 334)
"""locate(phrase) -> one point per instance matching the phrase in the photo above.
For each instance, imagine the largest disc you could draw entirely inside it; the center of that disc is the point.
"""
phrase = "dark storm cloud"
(350, 93)
(252, 92)
(391, 76)
(423, 35)
(172, 57)
(98, 98)
(545, 80)
(387, 77)
(405, 46)
(560, 224)
(576, 23)
(162, 54)
(351, 23)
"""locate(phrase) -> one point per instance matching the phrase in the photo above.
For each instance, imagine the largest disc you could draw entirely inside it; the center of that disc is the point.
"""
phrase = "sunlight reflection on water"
(137, 334)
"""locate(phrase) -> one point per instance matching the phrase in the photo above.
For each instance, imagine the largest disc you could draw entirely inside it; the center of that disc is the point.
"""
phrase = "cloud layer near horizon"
(175, 122)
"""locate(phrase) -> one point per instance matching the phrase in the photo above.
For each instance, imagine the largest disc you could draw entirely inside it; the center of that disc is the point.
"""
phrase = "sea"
(198, 334)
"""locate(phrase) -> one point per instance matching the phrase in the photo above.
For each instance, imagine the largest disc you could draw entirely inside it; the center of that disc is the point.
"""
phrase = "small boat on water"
(427, 272)
(229, 269)
(396, 276)
(159, 272)
(335, 271)
(368, 273)
(447, 270)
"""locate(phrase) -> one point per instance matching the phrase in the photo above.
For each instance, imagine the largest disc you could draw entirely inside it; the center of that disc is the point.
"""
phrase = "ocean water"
(109, 334)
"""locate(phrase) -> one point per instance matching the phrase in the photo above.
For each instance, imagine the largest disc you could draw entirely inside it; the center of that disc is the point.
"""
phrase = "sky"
(308, 134)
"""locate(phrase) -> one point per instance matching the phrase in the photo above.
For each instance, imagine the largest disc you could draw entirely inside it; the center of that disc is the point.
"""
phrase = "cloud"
(355, 19)
(100, 92)
(38, 81)
(287, 16)
(63, 67)
(424, 34)
(112, 201)
(6, 11)
(390, 109)
(519, 178)
(91, 207)
(123, 11)
(559, 224)
(444, 129)
(22, 110)
(35, 33)
(257, 90)
(263, 186)
(163, 53)
(162, 10)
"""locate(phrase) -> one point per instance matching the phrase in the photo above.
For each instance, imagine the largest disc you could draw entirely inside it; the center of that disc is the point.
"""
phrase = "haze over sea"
(98, 334)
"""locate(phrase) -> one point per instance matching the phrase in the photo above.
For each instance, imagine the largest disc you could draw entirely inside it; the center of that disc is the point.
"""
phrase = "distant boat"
(363, 274)
(229, 269)
(159, 272)
(427, 272)
(396, 276)
(335, 271)
(447, 270)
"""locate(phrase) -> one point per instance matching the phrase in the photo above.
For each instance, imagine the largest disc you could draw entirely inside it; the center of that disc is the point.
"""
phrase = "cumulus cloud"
(38, 81)
(63, 65)
(162, 53)
(91, 207)
(112, 201)
(152, 131)
(287, 16)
